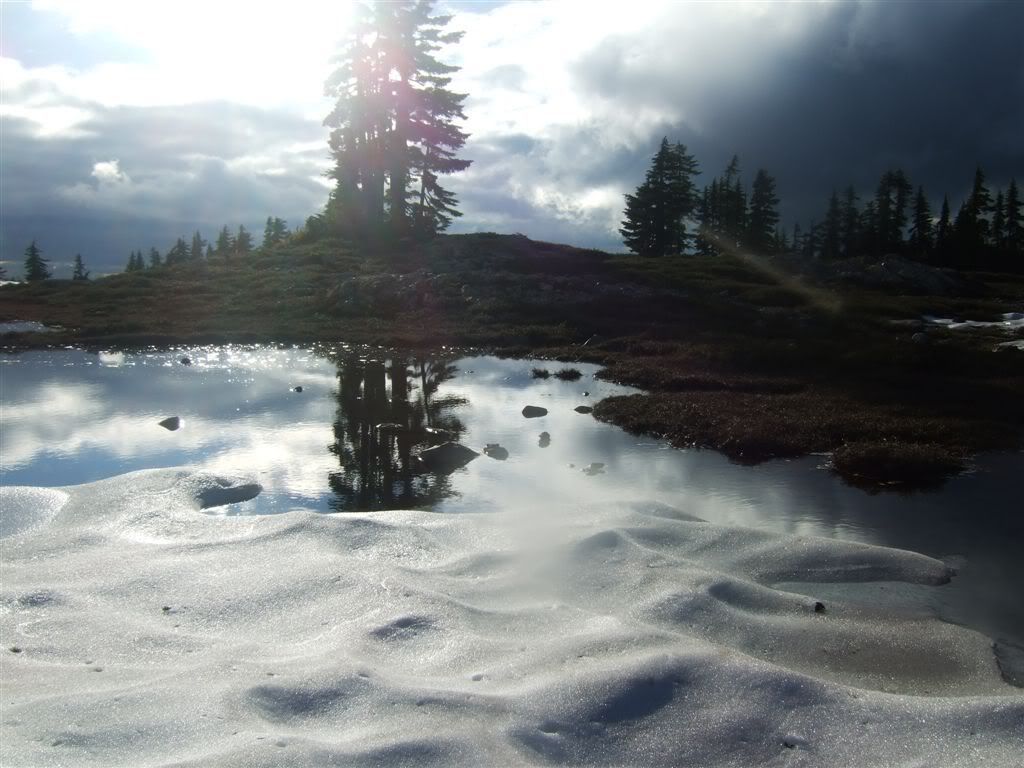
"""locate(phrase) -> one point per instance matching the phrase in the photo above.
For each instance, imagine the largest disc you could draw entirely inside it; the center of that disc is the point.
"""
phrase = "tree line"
(228, 246)
(666, 216)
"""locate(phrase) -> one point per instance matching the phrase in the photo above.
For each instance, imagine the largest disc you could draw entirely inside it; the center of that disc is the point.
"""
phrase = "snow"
(151, 631)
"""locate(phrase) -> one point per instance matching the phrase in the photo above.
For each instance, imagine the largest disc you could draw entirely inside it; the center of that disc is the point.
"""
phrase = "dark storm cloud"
(934, 88)
(181, 168)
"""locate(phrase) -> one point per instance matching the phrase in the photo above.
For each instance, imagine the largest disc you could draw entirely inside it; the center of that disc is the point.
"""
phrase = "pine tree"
(195, 253)
(849, 233)
(393, 122)
(831, 229)
(979, 206)
(80, 272)
(243, 242)
(921, 228)
(655, 216)
(154, 258)
(275, 231)
(178, 252)
(225, 243)
(133, 262)
(943, 234)
(999, 222)
(36, 267)
(764, 214)
(1014, 225)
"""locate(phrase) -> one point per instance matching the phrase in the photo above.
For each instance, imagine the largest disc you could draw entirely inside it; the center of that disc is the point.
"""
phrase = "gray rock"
(534, 411)
(495, 451)
(446, 457)
(583, 409)
(171, 423)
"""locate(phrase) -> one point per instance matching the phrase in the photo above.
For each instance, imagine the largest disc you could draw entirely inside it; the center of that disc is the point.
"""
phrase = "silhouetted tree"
(831, 229)
(178, 252)
(921, 235)
(243, 241)
(849, 228)
(275, 231)
(999, 222)
(943, 233)
(79, 272)
(655, 216)
(764, 214)
(196, 252)
(154, 258)
(225, 243)
(1014, 224)
(393, 122)
(36, 267)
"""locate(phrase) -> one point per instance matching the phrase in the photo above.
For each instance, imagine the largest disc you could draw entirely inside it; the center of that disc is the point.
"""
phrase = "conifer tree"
(943, 233)
(154, 258)
(849, 231)
(831, 229)
(1014, 224)
(243, 241)
(178, 252)
(393, 125)
(195, 253)
(36, 267)
(764, 214)
(999, 222)
(225, 244)
(921, 227)
(656, 214)
(79, 272)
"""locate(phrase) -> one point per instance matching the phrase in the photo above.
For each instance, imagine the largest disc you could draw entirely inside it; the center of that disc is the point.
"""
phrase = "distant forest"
(667, 216)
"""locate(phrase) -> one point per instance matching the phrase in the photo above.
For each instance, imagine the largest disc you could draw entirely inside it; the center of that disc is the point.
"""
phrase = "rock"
(228, 492)
(435, 435)
(185, 361)
(819, 607)
(297, 388)
(545, 440)
(586, 394)
(495, 451)
(534, 411)
(446, 457)
(171, 423)
(595, 468)
(583, 409)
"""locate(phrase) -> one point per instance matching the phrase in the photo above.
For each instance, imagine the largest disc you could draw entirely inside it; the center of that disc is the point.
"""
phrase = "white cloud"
(109, 173)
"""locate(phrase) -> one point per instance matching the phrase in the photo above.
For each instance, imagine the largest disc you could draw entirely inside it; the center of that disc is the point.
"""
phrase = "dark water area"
(71, 417)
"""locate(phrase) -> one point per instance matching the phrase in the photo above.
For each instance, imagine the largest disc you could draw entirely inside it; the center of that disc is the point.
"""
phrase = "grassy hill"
(757, 358)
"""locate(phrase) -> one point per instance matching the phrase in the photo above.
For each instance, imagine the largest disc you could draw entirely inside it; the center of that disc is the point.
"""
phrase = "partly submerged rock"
(495, 451)
(534, 411)
(223, 491)
(435, 435)
(297, 388)
(171, 423)
(446, 457)
(185, 360)
(545, 440)
(583, 409)
(595, 468)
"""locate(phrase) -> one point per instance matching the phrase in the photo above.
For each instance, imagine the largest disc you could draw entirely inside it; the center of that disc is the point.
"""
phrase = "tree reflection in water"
(387, 412)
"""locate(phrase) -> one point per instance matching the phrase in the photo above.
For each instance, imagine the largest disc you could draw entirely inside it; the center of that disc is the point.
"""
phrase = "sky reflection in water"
(71, 417)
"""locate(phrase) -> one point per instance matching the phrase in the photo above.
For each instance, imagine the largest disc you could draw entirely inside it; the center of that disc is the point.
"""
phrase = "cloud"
(566, 105)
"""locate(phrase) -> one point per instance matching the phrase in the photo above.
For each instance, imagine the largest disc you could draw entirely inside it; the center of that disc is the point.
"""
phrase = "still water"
(72, 417)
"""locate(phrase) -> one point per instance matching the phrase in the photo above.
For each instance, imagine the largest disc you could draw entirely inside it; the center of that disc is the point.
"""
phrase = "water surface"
(71, 417)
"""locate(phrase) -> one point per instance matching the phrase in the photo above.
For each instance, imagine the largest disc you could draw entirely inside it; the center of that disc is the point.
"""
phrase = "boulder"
(534, 411)
(545, 440)
(583, 409)
(447, 457)
(171, 423)
(297, 388)
(495, 451)
(185, 360)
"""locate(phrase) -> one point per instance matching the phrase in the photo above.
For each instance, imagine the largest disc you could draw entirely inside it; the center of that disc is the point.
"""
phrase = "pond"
(305, 422)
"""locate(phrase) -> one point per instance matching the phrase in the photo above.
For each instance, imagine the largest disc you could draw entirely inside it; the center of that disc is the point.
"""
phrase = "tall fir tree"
(79, 272)
(849, 228)
(393, 131)
(36, 267)
(764, 214)
(154, 258)
(656, 214)
(943, 234)
(225, 243)
(921, 235)
(243, 241)
(832, 228)
(196, 252)
(1014, 225)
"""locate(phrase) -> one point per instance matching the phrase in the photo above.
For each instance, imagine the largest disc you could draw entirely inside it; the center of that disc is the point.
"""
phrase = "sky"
(125, 124)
